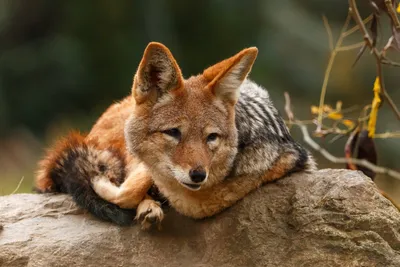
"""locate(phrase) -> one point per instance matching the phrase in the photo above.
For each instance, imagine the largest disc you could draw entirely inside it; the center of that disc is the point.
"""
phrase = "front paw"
(149, 213)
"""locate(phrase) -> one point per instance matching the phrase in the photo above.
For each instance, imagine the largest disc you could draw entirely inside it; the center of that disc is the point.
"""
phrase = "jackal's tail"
(302, 160)
(69, 168)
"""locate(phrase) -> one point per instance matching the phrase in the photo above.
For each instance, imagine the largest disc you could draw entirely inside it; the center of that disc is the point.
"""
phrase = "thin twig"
(387, 135)
(19, 184)
(350, 47)
(378, 56)
(329, 69)
(288, 107)
(390, 63)
(329, 31)
(356, 28)
(333, 159)
(392, 13)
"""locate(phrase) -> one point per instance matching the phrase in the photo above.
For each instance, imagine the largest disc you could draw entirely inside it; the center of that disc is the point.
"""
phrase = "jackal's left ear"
(158, 73)
(226, 76)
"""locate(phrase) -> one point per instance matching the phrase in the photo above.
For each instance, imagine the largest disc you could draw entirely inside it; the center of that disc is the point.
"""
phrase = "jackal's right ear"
(226, 76)
(157, 74)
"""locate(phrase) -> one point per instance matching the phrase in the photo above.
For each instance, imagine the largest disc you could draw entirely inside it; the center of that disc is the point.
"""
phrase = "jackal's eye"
(212, 137)
(173, 132)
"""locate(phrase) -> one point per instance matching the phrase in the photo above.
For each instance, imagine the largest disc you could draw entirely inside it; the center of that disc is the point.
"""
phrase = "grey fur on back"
(262, 134)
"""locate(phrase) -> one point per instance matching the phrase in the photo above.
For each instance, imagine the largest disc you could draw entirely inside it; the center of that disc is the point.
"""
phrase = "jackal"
(204, 142)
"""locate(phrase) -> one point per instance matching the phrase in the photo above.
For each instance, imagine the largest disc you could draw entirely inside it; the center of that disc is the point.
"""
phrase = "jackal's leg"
(149, 213)
(132, 193)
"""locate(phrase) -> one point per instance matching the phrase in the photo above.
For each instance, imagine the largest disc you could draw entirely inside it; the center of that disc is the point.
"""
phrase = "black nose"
(197, 175)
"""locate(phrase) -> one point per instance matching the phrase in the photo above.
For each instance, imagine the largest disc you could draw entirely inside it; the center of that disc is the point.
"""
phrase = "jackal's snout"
(198, 174)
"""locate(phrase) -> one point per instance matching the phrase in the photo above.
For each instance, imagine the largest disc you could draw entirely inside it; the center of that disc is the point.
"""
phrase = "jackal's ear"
(157, 74)
(226, 76)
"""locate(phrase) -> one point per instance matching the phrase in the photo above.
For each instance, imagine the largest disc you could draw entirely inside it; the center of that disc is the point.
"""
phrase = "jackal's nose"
(197, 175)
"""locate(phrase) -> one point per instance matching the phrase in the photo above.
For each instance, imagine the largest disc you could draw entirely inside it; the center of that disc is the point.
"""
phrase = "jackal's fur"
(205, 142)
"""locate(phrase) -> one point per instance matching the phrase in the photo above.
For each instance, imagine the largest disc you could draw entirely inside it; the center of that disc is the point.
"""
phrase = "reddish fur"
(217, 71)
(74, 139)
(43, 181)
(194, 98)
(146, 57)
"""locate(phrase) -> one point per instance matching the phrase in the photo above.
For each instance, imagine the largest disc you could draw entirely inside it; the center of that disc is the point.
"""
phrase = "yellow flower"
(329, 111)
(398, 8)
(348, 123)
(325, 108)
(335, 116)
(314, 110)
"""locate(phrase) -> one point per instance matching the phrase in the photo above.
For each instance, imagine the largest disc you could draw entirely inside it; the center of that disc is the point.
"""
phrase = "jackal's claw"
(149, 213)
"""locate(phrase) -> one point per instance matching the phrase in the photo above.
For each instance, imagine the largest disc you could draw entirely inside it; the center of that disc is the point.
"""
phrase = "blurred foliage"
(63, 57)
(63, 62)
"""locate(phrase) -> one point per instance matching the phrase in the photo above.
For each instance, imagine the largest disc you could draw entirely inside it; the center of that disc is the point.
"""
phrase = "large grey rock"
(328, 218)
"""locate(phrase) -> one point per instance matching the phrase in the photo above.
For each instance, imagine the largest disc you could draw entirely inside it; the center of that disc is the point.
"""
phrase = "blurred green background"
(63, 62)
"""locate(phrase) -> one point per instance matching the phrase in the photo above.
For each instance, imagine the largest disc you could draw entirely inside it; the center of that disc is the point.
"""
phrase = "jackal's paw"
(149, 213)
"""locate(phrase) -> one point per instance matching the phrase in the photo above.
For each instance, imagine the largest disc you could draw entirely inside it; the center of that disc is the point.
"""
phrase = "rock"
(327, 218)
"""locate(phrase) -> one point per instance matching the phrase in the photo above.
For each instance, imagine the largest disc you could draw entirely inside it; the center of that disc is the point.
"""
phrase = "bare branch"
(288, 107)
(329, 31)
(390, 63)
(392, 13)
(387, 135)
(356, 28)
(378, 56)
(328, 71)
(333, 159)
(350, 47)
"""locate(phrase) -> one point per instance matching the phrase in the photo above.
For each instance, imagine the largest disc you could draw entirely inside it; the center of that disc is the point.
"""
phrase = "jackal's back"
(262, 134)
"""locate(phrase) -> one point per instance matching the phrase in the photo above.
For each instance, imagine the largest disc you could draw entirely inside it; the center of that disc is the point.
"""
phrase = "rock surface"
(327, 218)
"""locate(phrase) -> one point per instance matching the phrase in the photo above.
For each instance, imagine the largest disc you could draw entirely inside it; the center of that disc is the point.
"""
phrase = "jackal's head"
(184, 130)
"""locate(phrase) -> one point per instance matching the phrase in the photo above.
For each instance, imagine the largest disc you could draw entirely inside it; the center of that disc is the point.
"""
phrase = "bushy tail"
(302, 159)
(69, 168)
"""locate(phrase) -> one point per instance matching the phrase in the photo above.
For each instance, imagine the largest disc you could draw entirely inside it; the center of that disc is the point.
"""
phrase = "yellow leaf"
(398, 8)
(327, 108)
(348, 123)
(328, 111)
(374, 109)
(314, 110)
(335, 116)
